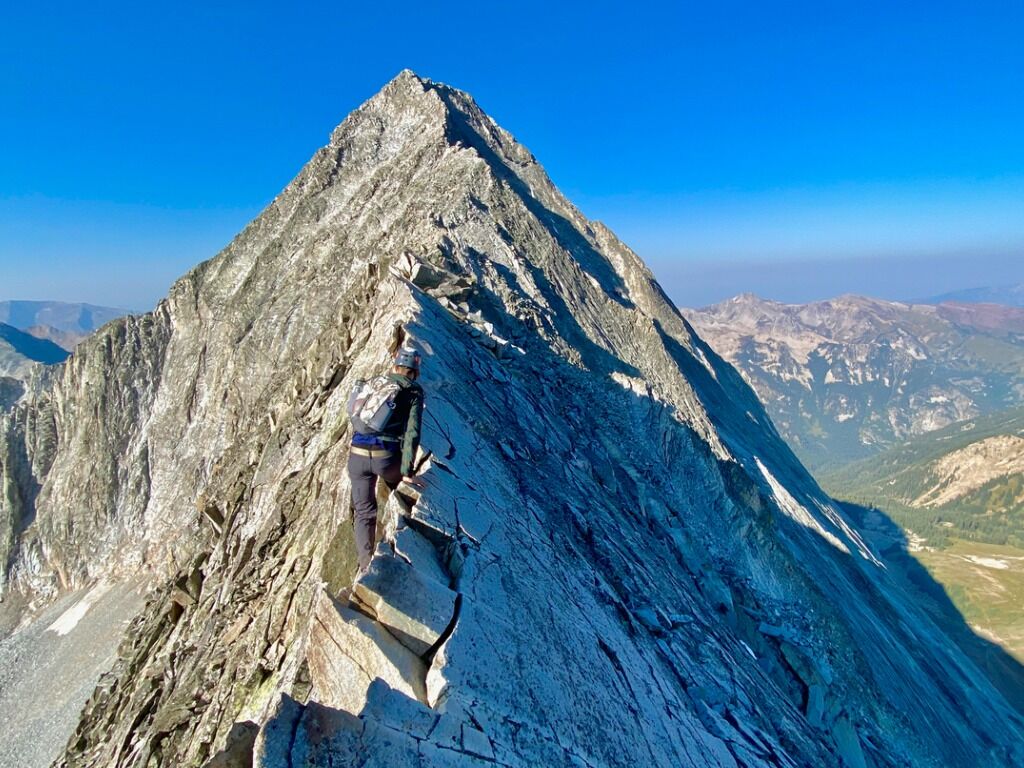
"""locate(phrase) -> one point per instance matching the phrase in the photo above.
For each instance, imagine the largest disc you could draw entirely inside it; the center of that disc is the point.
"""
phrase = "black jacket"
(404, 424)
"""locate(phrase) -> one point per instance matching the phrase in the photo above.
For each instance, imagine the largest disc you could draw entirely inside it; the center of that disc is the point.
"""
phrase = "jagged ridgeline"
(616, 560)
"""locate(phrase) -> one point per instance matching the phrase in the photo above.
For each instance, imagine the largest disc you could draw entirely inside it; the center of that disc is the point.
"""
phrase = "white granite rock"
(413, 607)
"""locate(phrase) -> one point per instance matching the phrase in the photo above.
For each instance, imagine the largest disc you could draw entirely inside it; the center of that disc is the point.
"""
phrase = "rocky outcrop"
(77, 464)
(11, 390)
(615, 560)
(962, 472)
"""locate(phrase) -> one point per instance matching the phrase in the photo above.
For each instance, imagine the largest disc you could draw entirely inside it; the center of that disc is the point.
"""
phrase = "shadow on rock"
(1004, 672)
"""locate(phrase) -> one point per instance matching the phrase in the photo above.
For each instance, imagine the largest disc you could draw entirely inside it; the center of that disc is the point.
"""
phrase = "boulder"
(410, 604)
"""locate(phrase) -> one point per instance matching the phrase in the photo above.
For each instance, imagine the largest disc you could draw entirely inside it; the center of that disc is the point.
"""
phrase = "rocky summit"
(615, 560)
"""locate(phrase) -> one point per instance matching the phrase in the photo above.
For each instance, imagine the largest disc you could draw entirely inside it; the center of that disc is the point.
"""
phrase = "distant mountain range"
(1010, 295)
(847, 378)
(43, 332)
(60, 315)
(67, 340)
(18, 350)
(912, 409)
(33, 332)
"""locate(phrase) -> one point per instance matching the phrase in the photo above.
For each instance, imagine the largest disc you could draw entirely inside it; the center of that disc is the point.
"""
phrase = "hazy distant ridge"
(77, 318)
(1011, 295)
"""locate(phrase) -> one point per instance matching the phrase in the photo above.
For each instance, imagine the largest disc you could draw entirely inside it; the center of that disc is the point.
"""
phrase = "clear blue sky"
(776, 147)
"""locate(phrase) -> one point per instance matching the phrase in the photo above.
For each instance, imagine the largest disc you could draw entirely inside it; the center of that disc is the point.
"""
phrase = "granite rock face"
(615, 560)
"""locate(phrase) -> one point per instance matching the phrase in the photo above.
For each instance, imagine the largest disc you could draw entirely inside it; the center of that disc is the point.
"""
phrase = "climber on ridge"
(385, 414)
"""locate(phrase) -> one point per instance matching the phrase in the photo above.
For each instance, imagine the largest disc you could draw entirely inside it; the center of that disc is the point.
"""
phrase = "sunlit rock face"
(615, 559)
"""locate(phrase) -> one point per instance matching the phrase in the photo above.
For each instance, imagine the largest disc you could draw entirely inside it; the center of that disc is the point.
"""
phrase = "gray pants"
(363, 471)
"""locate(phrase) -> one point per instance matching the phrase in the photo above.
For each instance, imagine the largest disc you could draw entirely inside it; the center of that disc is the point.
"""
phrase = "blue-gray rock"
(203, 446)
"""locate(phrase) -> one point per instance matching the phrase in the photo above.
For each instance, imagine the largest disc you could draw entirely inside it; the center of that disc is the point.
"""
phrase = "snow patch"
(836, 518)
(797, 511)
(70, 618)
(702, 358)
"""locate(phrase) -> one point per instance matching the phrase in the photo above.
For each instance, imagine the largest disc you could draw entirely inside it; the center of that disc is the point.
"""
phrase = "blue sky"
(794, 149)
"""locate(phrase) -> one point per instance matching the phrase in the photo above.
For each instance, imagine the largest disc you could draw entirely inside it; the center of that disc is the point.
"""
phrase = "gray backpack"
(371, 404)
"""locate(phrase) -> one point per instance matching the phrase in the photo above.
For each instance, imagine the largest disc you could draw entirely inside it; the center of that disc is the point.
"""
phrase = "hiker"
(385, 414)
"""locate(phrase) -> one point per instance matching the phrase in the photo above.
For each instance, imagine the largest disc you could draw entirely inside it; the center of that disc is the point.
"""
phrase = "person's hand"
(414, 481)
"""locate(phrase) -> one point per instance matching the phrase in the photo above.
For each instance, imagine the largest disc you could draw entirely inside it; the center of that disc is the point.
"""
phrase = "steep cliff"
(615, 561)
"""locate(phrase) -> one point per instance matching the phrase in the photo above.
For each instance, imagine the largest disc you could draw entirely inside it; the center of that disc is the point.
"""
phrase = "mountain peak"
(607, 505)
(415, 109)
(407, 74)
(747, 297)
(751, 299)
(406, 98)
(406, 81)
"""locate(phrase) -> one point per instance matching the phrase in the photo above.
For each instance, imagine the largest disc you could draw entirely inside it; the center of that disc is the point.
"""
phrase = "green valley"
(965, 482)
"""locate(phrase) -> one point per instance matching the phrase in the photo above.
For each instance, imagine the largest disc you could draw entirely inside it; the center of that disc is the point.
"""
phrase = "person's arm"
(411, 438)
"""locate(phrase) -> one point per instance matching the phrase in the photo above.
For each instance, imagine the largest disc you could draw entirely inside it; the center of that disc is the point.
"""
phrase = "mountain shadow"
(890, 542)
(39, 350)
